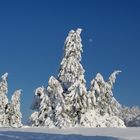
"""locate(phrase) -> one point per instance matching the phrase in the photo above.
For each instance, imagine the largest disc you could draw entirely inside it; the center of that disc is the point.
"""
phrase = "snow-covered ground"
(70, 134)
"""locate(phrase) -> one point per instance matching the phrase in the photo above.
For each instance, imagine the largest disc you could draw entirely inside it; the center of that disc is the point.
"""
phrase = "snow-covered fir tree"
(55, 92)
(3, 99)
(10, 115)
(15, 103)
(135, 122)
(103, 108)
(130, 115)
(43, 115)
(72, 78)
(105, 101)
(66, 101)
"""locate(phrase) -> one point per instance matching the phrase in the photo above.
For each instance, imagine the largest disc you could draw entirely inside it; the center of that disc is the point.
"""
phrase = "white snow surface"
(70, 134)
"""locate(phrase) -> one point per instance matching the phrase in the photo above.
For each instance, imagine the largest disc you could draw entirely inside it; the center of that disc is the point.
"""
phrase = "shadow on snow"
(9, 135)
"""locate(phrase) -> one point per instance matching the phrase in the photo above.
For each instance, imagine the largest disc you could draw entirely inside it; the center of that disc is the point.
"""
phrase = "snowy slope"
(70, 134)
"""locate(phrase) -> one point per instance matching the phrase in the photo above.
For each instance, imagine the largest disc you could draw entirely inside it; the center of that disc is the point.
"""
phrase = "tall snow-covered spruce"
(66, 101)
(72, 78)
(15, 104)
(10, 115)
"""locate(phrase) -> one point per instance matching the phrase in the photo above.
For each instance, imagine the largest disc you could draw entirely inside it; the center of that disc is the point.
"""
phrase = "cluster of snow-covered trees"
(10, 115)
(130, 116)
(66, 102)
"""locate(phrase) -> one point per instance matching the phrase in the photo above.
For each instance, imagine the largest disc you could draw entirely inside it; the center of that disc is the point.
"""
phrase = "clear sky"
(32, 34)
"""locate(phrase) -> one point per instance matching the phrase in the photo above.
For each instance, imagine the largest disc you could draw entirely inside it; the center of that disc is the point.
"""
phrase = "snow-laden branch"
(113, 76)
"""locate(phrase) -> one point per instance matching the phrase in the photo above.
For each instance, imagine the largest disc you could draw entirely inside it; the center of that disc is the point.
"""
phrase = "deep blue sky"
(32, 35)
